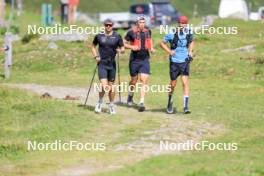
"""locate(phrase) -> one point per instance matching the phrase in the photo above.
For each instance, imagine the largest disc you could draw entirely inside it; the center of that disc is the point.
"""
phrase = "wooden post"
(8, 43)
(6, 70)
(8, 55)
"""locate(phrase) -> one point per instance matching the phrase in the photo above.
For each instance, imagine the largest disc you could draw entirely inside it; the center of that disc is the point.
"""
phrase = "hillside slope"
(186, 7)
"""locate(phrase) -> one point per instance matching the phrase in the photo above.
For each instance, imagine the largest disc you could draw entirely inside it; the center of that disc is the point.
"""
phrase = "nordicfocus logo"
(191, 145)
(201, 30)
(125, 87)
(58, 29)
(58, 145)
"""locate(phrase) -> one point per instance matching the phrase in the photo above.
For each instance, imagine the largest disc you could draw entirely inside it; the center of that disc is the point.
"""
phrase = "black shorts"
(107, 71)
(139, 66)
(177, 69)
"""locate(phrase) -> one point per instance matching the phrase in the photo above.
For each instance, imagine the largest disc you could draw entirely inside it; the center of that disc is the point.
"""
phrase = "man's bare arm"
(191, 46)
(166, 48)
(121, 50)
(129, 46)
(95, 54)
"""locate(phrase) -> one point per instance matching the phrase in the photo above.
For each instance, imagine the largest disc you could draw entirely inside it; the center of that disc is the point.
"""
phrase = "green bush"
(13, 29)
(28, 37)
(260, 60)
(2, 31)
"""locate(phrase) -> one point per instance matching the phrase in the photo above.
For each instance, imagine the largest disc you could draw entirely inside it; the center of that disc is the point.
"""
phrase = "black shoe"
(170, 107)
(186, 111)
(141, 107)
(130, 100)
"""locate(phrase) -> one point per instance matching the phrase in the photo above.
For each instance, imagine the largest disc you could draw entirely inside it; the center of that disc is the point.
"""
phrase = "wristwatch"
(6, 48)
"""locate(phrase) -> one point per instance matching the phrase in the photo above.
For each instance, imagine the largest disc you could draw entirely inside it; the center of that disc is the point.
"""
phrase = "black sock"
(130, 98)
(170, 98)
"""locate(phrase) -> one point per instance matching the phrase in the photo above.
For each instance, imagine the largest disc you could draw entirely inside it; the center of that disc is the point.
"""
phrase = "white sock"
(142, 100)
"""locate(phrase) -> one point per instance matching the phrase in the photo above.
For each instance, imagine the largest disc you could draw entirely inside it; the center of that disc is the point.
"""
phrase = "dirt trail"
(174, 130)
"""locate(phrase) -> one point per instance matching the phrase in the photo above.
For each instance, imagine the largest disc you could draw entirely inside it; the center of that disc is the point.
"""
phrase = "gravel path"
(174, 130)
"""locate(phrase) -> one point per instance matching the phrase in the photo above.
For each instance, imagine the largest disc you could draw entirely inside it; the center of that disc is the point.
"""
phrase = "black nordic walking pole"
(90, 85)
(118, 71)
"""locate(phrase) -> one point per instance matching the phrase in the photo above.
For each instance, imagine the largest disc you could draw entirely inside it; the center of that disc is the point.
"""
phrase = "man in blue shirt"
(181, 52)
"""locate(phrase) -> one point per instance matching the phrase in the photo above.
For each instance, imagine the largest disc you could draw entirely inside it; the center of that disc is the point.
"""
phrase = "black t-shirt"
(107, 46)
(142, 53)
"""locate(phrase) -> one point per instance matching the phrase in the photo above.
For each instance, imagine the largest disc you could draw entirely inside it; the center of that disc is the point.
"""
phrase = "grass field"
(226, 88)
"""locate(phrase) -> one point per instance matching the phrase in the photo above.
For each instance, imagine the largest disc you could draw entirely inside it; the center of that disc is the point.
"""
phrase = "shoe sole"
(187, 112)
(98, 111)
(170, 112)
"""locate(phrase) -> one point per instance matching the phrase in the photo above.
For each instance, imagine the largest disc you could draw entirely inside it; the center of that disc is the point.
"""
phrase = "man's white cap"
(142, 17)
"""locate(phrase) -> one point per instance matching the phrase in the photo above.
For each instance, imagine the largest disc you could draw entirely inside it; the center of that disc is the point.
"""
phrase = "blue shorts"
(177, 69)
(107, 72)
(139, 66)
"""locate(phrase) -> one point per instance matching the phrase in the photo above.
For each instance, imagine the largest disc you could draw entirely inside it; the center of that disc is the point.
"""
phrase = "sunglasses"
(108, 25)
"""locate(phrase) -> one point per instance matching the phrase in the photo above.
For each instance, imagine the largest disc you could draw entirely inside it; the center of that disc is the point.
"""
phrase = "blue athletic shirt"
(181, 52)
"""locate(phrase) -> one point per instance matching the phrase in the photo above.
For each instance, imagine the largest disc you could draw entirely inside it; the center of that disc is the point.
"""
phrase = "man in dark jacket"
(109, 43)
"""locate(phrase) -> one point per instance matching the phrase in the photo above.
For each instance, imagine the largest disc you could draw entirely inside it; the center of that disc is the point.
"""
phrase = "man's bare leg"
(144, 82)
(111, 93)
(103, 87)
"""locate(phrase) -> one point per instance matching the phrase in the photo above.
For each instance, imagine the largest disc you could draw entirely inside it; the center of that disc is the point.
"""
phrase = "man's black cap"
(108, 21)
